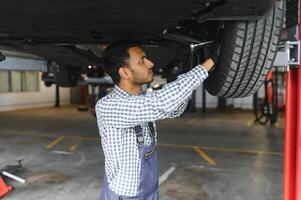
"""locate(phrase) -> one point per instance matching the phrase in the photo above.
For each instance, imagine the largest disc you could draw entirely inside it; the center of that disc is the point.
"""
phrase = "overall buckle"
(139, 134)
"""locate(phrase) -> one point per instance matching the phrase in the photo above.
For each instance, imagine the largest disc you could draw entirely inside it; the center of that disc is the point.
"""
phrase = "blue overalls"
(148, 183)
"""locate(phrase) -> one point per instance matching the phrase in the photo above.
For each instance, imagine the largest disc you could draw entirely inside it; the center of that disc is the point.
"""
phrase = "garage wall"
(24, 100)
(243, 103)
(44, 96)
(247, 102)
(211, 101)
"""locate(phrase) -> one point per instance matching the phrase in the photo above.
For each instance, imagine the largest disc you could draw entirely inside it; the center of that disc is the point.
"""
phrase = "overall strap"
(139, 134)
(152, 134)
(151, 128)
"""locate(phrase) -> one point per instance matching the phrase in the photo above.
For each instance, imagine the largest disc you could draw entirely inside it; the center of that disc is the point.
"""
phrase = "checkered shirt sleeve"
(160, 104)
(117, 114)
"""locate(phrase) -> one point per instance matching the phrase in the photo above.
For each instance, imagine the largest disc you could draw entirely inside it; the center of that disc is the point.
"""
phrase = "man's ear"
(124, 73)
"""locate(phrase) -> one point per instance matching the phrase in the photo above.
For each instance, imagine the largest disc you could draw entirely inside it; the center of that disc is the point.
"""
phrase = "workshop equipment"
(8, 172)
(4, 189)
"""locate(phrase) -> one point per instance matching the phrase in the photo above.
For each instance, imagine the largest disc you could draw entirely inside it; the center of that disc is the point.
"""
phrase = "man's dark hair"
(115, 56)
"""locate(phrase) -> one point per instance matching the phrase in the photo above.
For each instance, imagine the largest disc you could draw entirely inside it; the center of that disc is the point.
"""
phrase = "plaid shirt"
(117, 114)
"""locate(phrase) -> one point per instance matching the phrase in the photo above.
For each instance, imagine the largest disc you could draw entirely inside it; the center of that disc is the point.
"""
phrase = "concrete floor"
(214, 156)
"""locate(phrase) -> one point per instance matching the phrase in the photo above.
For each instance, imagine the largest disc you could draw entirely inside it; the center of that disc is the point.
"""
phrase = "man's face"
(141, 68)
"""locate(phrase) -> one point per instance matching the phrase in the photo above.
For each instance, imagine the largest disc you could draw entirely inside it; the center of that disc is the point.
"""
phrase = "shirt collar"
(120, 92)
(123, 93)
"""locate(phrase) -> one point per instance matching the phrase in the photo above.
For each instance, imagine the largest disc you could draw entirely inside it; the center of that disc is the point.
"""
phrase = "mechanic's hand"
(208, 64)
(211, 52)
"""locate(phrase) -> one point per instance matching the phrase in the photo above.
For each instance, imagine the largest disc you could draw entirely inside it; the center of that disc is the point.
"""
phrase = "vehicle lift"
(292, 139)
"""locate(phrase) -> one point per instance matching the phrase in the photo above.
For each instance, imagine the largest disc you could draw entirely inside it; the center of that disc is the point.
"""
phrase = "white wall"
(247, 102)
(211, 101)
(238, 103)
(24, 100)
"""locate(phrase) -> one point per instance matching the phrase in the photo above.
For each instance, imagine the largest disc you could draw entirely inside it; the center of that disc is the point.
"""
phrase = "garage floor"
(210, 156)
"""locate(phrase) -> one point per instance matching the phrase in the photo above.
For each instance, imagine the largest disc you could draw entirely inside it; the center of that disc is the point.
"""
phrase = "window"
(19, 81)
(15, 81)
(30, 81)
(4, 81)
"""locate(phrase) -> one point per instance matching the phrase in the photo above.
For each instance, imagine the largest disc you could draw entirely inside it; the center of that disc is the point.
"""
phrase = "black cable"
(266, 112)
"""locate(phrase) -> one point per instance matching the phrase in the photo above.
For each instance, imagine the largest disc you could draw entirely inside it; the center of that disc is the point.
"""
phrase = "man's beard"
(140, 81)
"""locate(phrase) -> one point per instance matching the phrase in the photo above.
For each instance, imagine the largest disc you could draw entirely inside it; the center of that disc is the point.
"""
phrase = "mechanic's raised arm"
(160, 104)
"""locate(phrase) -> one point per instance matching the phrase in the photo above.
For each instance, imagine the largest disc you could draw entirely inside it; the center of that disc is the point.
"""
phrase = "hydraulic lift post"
(291, 149)
(288, 55)
(292, 143)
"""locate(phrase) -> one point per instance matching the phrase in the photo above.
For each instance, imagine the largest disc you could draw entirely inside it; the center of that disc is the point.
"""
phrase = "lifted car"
(73, 33)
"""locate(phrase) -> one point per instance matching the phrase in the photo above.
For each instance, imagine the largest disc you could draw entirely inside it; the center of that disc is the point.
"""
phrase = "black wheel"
(48, 84)
(248, 50)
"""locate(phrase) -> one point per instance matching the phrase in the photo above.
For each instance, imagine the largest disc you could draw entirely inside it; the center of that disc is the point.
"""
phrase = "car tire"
(247, 52)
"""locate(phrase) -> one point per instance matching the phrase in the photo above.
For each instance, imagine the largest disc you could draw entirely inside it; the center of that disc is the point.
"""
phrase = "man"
(126, 119)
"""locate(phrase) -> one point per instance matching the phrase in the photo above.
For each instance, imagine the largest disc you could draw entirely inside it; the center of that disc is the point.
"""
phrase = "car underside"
(74, 33)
